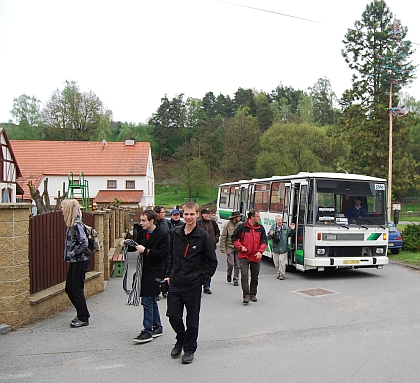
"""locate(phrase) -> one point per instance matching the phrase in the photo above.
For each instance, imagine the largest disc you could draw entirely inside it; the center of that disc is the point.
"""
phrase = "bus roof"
(305, 175)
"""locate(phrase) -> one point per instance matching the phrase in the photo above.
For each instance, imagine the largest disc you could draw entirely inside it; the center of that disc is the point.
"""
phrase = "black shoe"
(165, 295)
(143, 337)
(157, 331)
(254, 298)
(187, 358)
(79, 323)
(157, 297)
(74, 320)
(206, 291)
(176, 351)
(229, 278)
(235, 283)
(246, 299)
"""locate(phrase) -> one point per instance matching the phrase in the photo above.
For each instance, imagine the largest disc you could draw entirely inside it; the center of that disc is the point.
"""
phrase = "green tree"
(290, 148)
(168, 124)
(323, 99)
(306, 109)
(27, 111)
(241, 144)
(264, 113)
(194, 176)
(72, 115)
(288, 100)
(378, 53)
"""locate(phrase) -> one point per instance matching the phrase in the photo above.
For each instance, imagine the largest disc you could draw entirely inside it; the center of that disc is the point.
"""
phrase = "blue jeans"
(151, 317)
(206, 285)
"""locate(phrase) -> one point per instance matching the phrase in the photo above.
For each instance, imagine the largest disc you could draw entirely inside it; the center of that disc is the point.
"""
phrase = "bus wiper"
(364, 227)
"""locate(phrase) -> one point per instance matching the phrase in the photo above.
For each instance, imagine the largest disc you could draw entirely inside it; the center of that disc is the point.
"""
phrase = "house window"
(111, 184)
(130, 184)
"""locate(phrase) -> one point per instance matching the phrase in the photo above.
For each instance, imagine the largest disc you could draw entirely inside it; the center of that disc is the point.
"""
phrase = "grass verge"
(406, 256)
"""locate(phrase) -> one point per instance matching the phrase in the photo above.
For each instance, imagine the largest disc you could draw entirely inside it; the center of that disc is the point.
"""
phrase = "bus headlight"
(320, 251)
(379, 250)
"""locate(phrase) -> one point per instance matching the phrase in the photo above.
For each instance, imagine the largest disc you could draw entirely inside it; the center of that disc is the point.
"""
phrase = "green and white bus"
(317, 203)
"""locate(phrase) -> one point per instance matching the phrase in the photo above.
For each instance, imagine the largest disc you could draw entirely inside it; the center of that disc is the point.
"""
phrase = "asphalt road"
(363, 327)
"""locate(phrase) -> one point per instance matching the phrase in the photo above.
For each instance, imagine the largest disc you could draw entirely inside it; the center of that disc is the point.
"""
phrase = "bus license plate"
(351, 262)
(390, 244)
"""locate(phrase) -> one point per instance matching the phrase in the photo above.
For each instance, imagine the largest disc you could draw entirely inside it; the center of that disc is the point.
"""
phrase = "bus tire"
(290, 269)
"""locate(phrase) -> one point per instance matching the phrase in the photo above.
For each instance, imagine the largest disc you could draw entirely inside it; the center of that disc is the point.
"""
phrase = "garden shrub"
(411, 237)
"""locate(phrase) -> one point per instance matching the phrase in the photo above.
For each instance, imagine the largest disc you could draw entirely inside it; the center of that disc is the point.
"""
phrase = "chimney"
(129, 142)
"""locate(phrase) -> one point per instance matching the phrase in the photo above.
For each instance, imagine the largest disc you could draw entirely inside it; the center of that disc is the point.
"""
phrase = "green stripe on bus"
(373, 237)
(223, 214)
(299, 257)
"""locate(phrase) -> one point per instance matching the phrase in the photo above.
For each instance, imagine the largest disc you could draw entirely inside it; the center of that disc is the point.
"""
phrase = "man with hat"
(209, 225)
(226, 247)
(175, 220)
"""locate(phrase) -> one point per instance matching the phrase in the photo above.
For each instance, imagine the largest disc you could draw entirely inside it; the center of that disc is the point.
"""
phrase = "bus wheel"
(290, 268)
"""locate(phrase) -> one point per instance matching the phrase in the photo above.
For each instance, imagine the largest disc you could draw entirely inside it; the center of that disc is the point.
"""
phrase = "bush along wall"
(411, 237)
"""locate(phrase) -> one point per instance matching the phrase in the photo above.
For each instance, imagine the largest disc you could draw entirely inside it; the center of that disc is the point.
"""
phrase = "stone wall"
(17, 306)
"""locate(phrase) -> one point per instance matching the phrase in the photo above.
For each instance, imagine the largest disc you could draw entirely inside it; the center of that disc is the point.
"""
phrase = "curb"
(5, 328)
(408, 265)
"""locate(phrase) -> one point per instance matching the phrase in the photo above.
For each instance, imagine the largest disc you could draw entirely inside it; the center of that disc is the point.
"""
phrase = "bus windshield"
(348, 202)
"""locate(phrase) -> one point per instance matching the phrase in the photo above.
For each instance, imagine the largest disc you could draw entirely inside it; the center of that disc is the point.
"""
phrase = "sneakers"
(176, 351)
(206, 291)
(229, 278)
(187, 358)
(76, 323)
(165, 295)
(143, 337)
(235, 283)
(246, 299)
(157, 298)
(157, 331)
(254, 298)
(281, 277)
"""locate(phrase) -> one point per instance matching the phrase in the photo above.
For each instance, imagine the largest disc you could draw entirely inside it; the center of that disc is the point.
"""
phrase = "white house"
(122, 170)
(9, 170)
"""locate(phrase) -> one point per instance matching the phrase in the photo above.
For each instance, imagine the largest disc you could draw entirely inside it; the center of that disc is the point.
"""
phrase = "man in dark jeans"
(209, 225)
(192, 261)
(250, 239)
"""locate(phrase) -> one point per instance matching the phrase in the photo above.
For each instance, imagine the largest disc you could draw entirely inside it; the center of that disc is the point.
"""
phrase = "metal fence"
(46, 247)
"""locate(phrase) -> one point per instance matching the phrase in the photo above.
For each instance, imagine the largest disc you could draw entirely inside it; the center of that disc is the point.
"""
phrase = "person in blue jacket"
(357, 210)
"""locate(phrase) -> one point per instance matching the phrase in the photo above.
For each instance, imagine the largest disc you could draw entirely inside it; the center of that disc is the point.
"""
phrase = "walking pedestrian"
(250, 240)
(208, 224)
(74, 255)
(226, 247)
(153, 244)
(279, 233)
(192, 261)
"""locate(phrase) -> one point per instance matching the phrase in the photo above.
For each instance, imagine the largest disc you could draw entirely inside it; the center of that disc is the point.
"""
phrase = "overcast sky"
(131, 53)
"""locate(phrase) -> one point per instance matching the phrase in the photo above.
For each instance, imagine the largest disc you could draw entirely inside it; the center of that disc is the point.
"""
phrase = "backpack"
(93, 239)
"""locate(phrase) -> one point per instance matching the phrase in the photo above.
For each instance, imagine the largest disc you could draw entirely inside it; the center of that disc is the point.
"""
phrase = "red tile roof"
(126, 196)
(38, 158)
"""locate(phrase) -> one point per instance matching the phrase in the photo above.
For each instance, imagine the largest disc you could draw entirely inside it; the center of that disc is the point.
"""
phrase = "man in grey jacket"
(226, 247)
(279, 233)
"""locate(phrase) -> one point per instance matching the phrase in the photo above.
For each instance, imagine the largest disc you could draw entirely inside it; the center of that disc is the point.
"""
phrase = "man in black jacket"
(192, 261)
(209, 225)
(153, 243)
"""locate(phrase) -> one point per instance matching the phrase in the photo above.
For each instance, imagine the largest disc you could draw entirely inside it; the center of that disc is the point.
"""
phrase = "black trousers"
(190, 298)
(75, 287)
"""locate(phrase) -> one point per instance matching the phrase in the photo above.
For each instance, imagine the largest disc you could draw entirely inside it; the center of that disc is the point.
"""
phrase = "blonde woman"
(76, 243)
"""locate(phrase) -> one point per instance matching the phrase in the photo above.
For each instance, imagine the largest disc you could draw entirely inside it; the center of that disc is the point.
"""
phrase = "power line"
(278, 13)
(265, 10)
